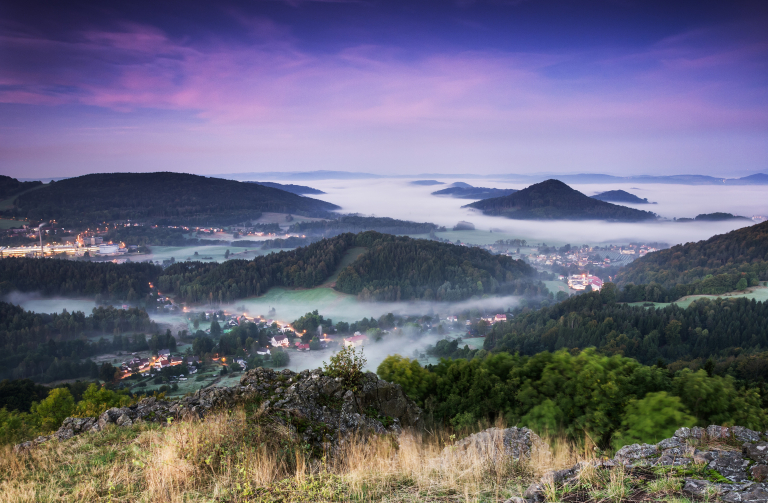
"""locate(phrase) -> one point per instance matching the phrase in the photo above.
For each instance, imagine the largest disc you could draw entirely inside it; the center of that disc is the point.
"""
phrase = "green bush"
(347, 364)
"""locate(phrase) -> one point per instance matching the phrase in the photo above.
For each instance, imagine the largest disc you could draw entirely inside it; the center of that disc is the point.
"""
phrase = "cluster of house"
(582, 281)
(488, 319)
(157, 363)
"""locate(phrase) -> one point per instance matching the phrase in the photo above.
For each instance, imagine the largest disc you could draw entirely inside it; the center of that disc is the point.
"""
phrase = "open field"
(557, 286)
(759, 293)
(182, 253)
(280, 218)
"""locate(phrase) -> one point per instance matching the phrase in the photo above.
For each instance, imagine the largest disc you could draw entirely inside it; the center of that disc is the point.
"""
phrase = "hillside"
(400, 268)
(716, 265)
(355, 223)
(554, 200)
(292, 188)
(465, 191)
(619, 196)
(718, 217)
(161, 198)
(396, 268)
(11, 186)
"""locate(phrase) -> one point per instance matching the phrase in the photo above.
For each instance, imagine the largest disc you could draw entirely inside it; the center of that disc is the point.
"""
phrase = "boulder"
(756, 451)
(714, 431)
(745, 434)
(636, 453)
(495, 444)
(759, 473)
(730, 465)
(698, 488)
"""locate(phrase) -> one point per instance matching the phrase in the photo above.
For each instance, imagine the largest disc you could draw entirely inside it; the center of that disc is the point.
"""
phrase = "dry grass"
(239, 457)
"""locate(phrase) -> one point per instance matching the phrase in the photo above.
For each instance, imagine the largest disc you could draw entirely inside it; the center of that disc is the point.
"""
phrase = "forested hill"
(394, 268)
(161, 198)
(708, 328)
(354, 223)
(10, 186)
(51, 276)
(619, 196)
(720, 264)
(401, 268)
(554, 200)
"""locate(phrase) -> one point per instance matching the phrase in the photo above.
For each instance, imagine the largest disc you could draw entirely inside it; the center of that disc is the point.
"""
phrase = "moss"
(330, 401)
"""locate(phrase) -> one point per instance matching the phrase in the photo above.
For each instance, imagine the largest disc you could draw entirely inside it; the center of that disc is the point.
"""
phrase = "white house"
(280, 340)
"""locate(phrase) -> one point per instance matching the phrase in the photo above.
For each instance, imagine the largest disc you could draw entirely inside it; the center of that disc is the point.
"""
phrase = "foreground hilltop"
(554, 200)
(164, 198)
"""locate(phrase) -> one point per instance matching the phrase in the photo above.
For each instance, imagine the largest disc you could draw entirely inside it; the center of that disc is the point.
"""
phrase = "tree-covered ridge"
(620, 196)
(708, 328)
(712, 266)
(401, 268)
(129, 281)
(163, 198)
(33, 343)
(235, 279)
(554, 200)
(355, 223)
(579, 394)
(10, 186)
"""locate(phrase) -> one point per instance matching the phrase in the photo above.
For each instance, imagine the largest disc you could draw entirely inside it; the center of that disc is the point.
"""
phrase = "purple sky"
(619, 86)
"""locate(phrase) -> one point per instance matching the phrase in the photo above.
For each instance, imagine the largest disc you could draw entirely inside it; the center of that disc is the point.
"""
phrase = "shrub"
(280, 358)
(348, 365)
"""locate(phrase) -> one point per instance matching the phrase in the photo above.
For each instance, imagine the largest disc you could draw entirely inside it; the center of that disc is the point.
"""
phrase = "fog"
(341, 307)
(400, 199)
(39, 304)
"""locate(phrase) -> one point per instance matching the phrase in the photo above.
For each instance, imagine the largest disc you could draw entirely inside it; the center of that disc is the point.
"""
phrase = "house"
(263, 351)
(164, 352)
(280, 340)
(355, 341)
(192, 360)
(500, 317)
(451, 319)
(242, 363)
(302, 347)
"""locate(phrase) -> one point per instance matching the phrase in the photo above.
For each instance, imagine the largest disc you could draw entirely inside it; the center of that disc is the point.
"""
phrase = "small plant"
(348, 365)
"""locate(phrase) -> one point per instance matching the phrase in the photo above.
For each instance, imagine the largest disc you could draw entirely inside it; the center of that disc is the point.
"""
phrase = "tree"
(54, 409)
(280, 358)
(215, 329)
(652, 419)
(414, 379)
(742, 284)
(107, 372)
(226, 254)
(97, 399)
(347, 364)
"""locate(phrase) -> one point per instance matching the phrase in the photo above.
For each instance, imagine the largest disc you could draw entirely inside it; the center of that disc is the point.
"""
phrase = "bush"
(652, 419)
(348, 365)
(280, 358)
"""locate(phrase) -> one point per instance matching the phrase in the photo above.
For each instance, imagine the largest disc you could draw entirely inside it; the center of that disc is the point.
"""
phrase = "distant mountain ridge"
(293, 189)
(163, 198)
(579, 178)
(554, 200)
(463, 190)
(619, 196)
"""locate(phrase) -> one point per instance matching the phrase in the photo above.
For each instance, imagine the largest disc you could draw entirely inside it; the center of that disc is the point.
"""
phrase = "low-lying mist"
(400, 199)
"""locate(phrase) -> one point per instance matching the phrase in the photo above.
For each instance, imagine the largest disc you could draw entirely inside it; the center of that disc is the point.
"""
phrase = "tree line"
(128, 281)
(356, 223)
(716, 265)
(612, 400)
(707, 328)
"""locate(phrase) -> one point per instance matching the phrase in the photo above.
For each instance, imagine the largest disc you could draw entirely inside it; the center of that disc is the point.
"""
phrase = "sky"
(385, 86)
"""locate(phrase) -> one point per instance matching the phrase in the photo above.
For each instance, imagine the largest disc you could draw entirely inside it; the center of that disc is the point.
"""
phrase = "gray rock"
(745, 434)
(636, 452)
(754, 495)
(756, 452)
(730, 465)
(495, 444)
(698, 488)
(534, 493)
(670, 443)
(714, 431)
(702, 457)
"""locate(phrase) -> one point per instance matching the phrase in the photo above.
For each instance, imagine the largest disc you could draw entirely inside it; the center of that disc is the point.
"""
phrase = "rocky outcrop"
(324, 406)
(495, 444)
(746, 469)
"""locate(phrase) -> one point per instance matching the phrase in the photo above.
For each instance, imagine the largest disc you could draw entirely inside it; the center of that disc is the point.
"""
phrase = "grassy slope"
(241, 457)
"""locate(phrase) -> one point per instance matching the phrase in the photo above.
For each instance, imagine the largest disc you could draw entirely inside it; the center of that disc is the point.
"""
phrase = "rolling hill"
(465, 191)
(707, 267)
(554, 200)
(161, 198)
(619, 196)
(11, 186)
